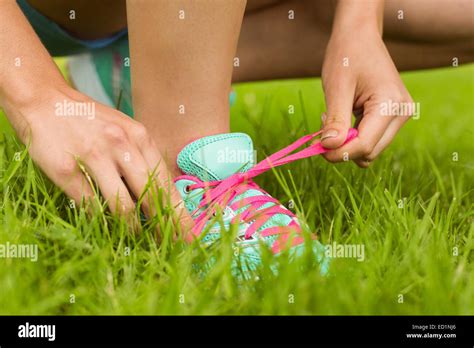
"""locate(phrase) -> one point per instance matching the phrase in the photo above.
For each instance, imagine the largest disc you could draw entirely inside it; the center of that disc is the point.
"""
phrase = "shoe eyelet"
(187, 189)
(224, 214)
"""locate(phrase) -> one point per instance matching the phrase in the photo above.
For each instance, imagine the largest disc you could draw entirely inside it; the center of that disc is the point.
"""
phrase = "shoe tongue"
(217, 157)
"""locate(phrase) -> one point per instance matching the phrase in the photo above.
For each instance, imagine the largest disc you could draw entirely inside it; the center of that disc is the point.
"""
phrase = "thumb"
(338, 118)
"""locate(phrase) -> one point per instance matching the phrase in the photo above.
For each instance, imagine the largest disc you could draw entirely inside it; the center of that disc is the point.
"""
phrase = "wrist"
(26, 107)
(365, 17)
(25, 98)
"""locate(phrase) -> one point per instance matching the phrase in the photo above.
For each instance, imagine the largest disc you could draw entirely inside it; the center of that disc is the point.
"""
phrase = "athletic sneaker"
(217, 181)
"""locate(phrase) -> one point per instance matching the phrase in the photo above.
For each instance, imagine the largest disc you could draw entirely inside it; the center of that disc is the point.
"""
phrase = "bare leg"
(184, 65)
(430, 34)
(182, 54)
(273, 46)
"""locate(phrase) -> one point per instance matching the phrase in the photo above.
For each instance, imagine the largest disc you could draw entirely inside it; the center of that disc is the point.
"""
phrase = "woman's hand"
(360, 77)
(65, 126)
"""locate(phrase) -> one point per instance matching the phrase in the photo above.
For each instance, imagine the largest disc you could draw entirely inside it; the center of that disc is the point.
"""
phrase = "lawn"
(412, 210)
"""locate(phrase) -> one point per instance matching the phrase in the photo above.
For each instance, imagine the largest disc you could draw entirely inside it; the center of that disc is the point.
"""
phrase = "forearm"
(365, 14)
(27, 71)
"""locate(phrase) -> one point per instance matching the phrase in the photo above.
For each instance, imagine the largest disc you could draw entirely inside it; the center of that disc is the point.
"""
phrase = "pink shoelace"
(219, 193)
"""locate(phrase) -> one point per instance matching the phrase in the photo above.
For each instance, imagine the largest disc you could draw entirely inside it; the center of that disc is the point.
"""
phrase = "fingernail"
(332, 133)
(323, 117)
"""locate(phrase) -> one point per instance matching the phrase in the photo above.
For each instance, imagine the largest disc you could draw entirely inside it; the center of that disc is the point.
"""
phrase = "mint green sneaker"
(217, 180)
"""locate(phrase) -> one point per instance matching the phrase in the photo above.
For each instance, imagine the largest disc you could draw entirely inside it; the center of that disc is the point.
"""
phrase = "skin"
(430, 35)
(193, 59)
(353, 85)
(420, 40)
(118, 152)
(314, 44)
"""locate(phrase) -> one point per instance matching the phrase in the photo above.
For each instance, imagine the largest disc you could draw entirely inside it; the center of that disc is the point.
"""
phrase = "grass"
(412, 211)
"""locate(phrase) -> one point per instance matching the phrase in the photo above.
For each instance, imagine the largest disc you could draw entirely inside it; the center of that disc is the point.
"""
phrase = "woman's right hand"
(63, 126)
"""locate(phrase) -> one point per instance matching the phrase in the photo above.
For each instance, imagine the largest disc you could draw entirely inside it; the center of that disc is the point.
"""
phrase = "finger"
(113, 188)
(371, 128)
(337, 121)
(164, 179)
(362, 163)
(77, 188)
(136, 172)
(386, 139)
(162, 176)
(71, 180)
